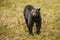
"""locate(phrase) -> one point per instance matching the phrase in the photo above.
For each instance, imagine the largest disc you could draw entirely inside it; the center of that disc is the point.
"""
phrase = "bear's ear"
(39, 9)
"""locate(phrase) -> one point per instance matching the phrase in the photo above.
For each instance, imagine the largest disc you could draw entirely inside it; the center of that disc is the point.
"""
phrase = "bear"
(31, 16)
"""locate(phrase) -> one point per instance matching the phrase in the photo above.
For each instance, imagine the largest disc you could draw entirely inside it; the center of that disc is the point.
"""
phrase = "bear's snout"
(34, 14)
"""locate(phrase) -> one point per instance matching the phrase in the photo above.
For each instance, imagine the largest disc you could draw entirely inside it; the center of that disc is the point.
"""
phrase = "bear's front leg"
(38, 26)
(30, 25)
(30, 29)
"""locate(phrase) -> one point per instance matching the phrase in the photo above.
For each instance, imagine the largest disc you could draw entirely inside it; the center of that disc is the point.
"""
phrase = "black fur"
(30, 19)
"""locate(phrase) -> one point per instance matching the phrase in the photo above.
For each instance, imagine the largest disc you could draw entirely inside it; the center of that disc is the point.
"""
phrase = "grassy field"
(12, 23)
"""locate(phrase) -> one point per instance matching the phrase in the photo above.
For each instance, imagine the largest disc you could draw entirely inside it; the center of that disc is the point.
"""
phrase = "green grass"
(12, 23)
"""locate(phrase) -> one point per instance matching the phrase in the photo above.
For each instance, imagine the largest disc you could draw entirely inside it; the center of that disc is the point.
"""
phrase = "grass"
(12, 23)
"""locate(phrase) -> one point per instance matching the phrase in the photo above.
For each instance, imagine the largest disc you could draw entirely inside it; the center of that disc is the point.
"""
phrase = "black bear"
(32, 15)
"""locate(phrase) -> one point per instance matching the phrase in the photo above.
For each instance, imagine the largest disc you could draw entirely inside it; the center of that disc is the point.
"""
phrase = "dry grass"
(12, 24)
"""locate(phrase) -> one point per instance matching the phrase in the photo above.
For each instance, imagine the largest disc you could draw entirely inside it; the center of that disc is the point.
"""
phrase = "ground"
(12, 24)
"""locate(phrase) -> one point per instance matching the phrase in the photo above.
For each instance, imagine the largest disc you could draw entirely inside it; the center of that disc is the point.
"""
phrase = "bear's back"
(29, 7)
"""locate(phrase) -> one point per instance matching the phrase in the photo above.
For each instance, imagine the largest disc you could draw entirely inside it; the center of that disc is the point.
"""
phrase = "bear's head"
(35, 12)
